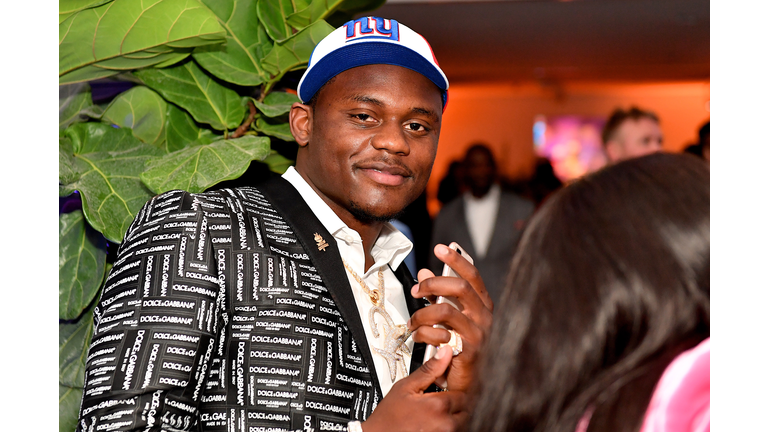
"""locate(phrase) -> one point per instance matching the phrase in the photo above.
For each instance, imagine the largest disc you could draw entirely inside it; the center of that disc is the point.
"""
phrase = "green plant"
(207, 101)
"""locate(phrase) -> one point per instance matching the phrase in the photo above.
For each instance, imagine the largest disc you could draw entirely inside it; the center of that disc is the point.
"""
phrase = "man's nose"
(391, 137)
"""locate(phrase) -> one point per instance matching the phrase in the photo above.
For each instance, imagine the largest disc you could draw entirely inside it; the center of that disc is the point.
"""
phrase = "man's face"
(371, 140)
(635, 138)
(480, 172)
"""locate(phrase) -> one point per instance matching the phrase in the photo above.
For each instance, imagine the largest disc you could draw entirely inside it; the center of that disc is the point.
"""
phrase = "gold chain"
(393, 347)
(376, 296)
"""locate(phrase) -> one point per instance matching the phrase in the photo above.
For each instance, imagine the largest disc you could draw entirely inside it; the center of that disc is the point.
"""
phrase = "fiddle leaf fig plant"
(204, 100)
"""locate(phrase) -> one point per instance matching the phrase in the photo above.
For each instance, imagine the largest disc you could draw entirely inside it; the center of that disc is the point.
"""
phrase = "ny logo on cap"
(372, 28)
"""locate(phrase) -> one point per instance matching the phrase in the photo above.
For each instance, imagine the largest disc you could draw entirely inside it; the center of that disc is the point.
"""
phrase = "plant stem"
(247, 123)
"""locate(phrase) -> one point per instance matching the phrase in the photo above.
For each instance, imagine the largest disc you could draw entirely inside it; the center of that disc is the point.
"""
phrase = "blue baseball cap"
(366, 41)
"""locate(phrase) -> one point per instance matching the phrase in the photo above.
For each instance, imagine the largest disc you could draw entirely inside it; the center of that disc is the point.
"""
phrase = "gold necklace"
(394, 335)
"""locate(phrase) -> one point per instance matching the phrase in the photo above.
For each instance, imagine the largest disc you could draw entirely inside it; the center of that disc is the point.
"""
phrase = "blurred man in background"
(484, 220)
(631, 133)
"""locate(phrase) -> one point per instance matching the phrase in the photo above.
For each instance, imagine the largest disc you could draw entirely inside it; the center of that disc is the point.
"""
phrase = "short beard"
(366, 217)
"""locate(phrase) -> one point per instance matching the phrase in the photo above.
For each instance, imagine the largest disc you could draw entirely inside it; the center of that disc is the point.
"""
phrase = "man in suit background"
(631, 133)
(285, 306)
(484, 220)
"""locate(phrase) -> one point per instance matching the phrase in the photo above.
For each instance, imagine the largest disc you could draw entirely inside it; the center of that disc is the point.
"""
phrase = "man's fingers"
(447, 315)
(449, 402)
(469, 288)
(431, 335)
(449, 287)
(456, 401)
(424, 376)
(461, 418)
(472, 336)
(425, 274)
(415, 294)
(465, 270)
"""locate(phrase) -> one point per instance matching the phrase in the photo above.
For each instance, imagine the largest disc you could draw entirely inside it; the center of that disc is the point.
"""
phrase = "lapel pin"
(321, 243)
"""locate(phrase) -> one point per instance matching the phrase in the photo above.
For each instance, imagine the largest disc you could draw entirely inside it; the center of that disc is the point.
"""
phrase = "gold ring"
(455, 343)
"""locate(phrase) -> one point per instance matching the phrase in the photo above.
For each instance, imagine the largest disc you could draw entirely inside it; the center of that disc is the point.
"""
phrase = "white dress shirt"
(481, 218)
(391, 247)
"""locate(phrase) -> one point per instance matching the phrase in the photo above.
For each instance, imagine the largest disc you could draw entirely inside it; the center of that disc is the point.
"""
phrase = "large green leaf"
(141, 110)
(69, 7)
(82, 260)
(189, 87)
(73, 100)
(175, 58)
(105, 167)
(239, 60)
(317, 10)
(294, 52)
(69, 407)
(195, 169)
(276, 103)
(87, 73)
(277, 162)
(272, 14)
(67, 173)
(325, 10)
(129, 34)
(181, 131)
(72, 6)
(74, 340)
(274, 128)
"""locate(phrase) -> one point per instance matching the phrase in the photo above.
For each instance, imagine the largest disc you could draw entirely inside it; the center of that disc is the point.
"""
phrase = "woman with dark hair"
(609, 285)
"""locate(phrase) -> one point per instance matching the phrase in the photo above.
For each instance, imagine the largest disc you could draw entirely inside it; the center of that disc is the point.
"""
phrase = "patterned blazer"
(223, 312)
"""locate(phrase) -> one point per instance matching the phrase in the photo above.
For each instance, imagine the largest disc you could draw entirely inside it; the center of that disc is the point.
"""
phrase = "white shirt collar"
(493, 195)
(391, 247)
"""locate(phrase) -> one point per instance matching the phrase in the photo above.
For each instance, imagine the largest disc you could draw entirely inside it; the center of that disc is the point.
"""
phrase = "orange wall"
(502, 116)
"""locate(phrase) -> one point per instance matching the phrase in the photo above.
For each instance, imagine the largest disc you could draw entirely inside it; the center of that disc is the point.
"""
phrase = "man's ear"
(300, 119)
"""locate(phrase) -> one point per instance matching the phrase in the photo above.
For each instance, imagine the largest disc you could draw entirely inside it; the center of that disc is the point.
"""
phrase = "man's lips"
(384, 173)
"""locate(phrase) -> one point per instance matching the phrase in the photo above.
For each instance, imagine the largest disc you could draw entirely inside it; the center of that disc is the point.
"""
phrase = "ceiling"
(560, 41)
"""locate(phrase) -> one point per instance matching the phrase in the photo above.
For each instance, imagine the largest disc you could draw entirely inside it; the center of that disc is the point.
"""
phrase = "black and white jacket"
(221, 313)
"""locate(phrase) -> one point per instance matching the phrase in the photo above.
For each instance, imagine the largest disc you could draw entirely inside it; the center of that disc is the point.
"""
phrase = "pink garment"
(680, 402)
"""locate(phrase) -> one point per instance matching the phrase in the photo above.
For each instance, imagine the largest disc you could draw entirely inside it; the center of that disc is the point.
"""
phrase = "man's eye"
(416, 127)
(362, 117)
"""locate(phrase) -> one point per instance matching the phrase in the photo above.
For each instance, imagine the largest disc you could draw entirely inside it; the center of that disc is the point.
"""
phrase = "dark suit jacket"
(222, 313)
(451, 225)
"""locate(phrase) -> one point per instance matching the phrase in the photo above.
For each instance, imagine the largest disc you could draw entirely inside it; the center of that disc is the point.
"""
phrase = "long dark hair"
(609, 283)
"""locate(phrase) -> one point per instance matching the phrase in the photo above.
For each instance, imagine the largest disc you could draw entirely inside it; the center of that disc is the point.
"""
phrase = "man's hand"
(407, 408)
(473, 323)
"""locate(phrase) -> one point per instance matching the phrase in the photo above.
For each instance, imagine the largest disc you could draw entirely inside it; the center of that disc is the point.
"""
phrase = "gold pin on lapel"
(321, 244)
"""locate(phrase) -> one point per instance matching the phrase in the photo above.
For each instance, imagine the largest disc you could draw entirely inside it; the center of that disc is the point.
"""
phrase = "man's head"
(368, 138)
(631, 133)
(479, 169)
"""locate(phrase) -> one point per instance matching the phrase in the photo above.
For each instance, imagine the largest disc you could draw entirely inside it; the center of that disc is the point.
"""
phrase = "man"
(484, 220)
(632, 133)
(285, 306)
